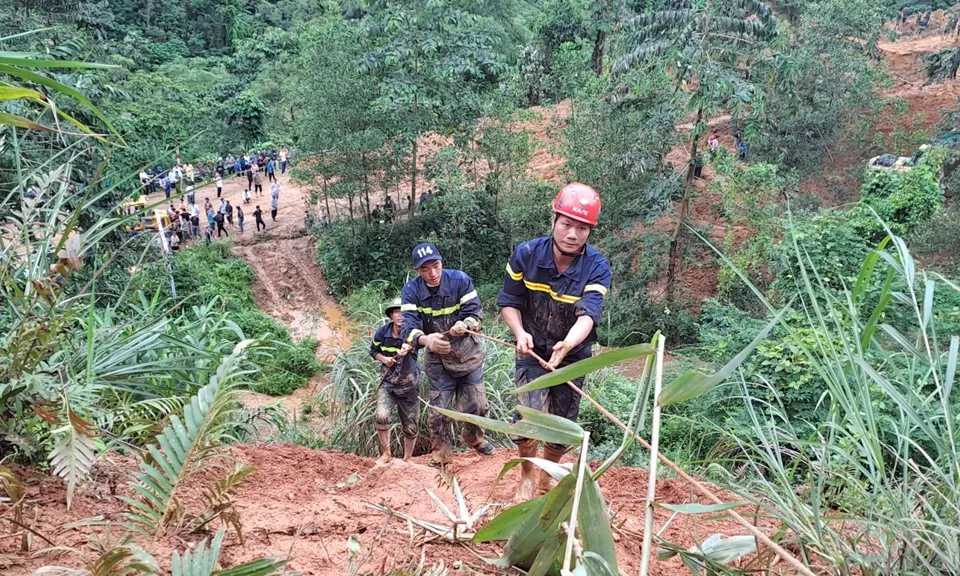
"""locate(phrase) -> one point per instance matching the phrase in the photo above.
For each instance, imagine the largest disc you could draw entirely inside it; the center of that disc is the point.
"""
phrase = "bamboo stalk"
(652, 480)
(696, 484)
(577, 493)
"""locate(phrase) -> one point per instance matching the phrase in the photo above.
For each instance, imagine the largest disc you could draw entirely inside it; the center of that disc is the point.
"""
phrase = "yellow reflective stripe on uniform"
(440, 312)
(468, 296)
(390, 349)
(375, 343)
(414, 334)
(515, 275)
(408, 307)
(596, 288)
(567, 299)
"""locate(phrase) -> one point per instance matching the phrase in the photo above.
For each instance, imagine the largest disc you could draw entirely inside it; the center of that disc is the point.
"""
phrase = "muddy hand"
(459, 329)
(524, 343)
(437, 344)
(560, 350)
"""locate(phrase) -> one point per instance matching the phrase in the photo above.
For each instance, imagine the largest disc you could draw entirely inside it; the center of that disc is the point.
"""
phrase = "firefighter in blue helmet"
(551, 299)
(439, 306)
(399, 384)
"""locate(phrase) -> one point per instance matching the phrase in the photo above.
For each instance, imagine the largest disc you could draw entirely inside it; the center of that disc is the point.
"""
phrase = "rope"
(696, 484)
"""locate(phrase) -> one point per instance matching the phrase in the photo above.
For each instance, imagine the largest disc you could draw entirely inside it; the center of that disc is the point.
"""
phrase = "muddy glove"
(437, 344)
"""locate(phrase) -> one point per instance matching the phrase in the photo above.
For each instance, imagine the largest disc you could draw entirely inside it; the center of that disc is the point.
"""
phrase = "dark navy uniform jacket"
(425, 313)
(402, 375)
(550, 302)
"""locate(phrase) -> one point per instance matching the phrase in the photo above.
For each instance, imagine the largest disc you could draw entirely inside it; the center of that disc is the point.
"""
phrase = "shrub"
(289, 369)
(829, 244)
(903, 200)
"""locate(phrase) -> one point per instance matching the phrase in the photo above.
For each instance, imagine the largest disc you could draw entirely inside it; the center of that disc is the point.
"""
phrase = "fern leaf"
(181, 446)
(75, 452)
(218, 503)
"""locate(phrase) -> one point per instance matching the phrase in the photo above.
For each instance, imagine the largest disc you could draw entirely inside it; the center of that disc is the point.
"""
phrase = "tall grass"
(875, 488)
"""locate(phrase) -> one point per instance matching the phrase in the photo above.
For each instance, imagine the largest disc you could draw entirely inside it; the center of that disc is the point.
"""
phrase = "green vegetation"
(784, 267)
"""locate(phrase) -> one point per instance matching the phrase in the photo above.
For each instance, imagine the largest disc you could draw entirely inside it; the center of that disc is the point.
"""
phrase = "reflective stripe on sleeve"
(390, 349)
(414, 334)
(595, 288)
(408, 307)
(515, 275)
(468, 296)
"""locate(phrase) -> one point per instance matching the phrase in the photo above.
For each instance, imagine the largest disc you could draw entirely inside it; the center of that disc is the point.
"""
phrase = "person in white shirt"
(219, 185)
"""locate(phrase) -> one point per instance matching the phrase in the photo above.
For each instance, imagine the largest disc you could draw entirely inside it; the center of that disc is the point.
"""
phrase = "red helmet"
(578, 201)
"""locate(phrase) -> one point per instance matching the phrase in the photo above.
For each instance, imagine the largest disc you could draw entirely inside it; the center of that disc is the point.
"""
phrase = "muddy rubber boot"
(383, 437)
(408, 445)
(546, 481)
(526, 449)
(442, 456)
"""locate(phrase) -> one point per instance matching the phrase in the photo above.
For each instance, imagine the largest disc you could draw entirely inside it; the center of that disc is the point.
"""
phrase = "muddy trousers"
(405, 402)
(464, 394)
(558, 400)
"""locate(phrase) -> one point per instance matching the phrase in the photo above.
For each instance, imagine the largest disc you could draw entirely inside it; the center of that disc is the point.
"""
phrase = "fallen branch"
(696, 484)
(447, 533)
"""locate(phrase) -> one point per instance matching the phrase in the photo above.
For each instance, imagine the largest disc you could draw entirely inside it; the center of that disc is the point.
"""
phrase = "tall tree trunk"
(326, 199)
(413, 180)
(413, 164)
(366, 186)
(684, 208)
(598, 44)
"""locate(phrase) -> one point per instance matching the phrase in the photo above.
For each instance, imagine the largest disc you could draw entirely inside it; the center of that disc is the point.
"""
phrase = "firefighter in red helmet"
(552, 299)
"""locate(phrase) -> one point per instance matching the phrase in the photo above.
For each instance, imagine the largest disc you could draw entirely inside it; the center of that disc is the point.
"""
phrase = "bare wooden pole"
(652, 479)
(696, 484)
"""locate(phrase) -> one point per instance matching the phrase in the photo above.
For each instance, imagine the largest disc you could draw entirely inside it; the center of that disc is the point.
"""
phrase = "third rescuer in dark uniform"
(399, 384)
(551, 299)
(438, 307)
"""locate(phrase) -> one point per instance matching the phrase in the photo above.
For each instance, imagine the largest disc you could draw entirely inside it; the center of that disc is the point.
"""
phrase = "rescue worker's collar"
(554, 244)
(545, 259)
(423, 290)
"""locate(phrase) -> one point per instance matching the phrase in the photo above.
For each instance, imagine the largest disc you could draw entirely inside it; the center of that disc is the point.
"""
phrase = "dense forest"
(779, 207)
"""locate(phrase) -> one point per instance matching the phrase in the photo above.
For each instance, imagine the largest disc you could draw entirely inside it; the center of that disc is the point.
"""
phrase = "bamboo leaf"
(694, 508)
(586, 366)
(725, 549)
(32, 63)
(17, 92)
(692, 384)
(8, 119)
(508, 522)
(595, 528)
(548, 559)
(548, 428)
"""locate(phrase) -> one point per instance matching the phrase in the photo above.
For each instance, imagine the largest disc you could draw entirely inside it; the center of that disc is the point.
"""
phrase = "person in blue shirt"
(270, 170)
(552, 299)
(439, 307)
(399, 389)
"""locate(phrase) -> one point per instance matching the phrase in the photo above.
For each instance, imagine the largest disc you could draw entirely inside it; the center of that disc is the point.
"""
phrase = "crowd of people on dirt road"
(191, 221)
(551, 299)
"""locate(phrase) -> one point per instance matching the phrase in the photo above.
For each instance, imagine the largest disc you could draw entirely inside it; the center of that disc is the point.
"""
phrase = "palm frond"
(181, 446)
(15, 493)
(203, 562)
